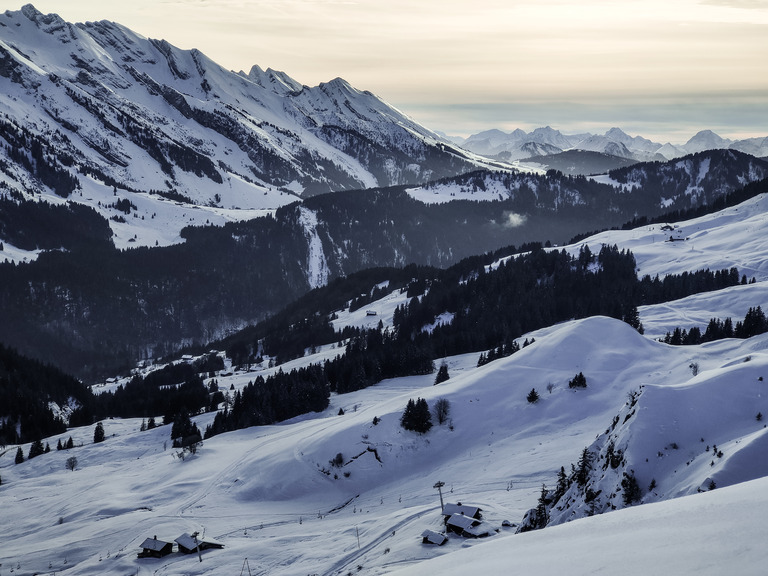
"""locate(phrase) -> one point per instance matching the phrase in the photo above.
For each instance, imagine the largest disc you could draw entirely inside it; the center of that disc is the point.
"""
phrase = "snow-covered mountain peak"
(596, 143)
(338, 84)
(49, 22)
(548, 135)
(706, 140)
(617, 134)
(274, 80)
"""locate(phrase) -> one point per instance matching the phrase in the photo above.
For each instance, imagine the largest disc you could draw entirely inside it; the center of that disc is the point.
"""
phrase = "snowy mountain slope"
(724, 239)
(668, 442)
(650, 188)
(707, 534)
(109, 107)
(694, 179)
(755, 146)
(267, 485)
(270, 493)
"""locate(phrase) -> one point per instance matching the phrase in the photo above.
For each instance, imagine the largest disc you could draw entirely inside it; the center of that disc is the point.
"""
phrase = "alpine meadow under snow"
(282, 502)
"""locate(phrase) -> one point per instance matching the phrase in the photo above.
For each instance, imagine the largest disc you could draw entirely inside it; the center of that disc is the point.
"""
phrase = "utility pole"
(439, 486)
(197, 546)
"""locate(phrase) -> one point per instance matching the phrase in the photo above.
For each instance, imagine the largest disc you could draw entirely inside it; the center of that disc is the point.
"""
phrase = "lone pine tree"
(442, 374)
(98, 433)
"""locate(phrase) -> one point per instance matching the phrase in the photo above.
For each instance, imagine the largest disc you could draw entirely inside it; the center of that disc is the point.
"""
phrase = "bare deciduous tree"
(442, 408)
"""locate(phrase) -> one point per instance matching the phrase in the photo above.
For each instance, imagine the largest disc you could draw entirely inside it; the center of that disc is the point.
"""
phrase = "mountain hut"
(154, 548)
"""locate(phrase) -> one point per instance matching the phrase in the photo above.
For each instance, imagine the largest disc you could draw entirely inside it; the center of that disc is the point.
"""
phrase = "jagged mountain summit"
(97, 101)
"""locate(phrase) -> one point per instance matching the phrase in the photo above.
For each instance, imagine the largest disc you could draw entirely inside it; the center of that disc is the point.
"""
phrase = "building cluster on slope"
(154, 548)
(466, 521)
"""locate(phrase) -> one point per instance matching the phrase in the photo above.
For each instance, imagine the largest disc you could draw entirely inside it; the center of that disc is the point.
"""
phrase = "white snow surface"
(270, 495)
(682, 537)
(317, 267)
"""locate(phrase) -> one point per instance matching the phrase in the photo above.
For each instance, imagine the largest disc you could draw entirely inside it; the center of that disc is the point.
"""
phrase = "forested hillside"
(94, 310)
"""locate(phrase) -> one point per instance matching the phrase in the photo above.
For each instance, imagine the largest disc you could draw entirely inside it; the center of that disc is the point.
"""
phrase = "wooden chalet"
(154, 548)
(469, 511)
(432, 537)
(466, 526)
(190, 544)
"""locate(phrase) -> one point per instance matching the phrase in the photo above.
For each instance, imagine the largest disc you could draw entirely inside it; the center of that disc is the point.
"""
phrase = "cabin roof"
(451, 509)
(433, 537)
(462, 521)
(154, 544)
(189, 543)
(477, 531)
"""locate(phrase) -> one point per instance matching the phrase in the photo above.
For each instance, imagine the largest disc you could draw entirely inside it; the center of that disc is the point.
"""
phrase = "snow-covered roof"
(477, 531)
(190, 543)
(451, 509)
(154, 544)
(461, 521)
(187, 541)
(434, 537)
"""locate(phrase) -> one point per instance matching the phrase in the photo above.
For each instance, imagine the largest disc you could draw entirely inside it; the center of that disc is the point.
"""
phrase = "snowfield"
(271, 495)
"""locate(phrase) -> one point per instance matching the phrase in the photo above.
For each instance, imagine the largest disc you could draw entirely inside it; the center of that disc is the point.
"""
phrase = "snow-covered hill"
(272, 496)
(649, 188)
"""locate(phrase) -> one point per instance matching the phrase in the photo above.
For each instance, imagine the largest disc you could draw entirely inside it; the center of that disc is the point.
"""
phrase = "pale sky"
(663, 69)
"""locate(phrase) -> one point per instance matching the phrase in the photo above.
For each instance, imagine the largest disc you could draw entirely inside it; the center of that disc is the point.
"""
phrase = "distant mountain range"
(546, 146)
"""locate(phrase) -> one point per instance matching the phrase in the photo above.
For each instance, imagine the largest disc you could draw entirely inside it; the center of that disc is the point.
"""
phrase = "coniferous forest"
(490, 309)
(64, 307)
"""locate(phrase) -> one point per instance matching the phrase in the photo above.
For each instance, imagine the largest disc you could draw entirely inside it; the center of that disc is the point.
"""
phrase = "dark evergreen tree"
(542, 516)
(184, 432)
(416, 416)
(19, 455)
(533, 396)
(578, 381)
(98, 433)
(36, 449)
(632, 317)
(442, 374)
(583, 467)
(70, 443)
(631, 489)
(562, 484)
